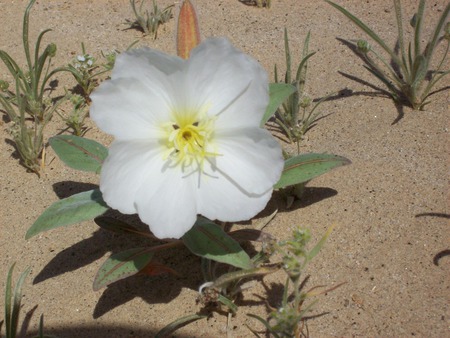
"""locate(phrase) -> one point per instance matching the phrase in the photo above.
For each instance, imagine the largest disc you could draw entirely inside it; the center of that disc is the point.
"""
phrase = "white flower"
(187, 137)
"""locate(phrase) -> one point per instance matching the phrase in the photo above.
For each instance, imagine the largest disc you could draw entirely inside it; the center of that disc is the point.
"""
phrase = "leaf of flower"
(154, 268)
(74, 209)
(122, 265)
(302, 168)
(118, 226)
(208, 240)
(278, 92)
(79, 153)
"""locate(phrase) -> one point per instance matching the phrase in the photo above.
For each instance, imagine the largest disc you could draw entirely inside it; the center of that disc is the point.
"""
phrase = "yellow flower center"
(190, 140)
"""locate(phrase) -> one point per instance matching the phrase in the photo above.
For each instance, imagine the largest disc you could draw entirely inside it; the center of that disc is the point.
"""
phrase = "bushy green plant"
(407, 74)
(26, 105)
(149, 22)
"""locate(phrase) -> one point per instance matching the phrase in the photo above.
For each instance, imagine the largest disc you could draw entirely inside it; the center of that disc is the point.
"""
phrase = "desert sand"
(390, 206)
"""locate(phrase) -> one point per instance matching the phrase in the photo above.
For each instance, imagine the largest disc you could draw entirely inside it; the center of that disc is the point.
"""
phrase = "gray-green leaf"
(79, 153)
(207, 239)
(278, 92)
(302, 168)
(122, 265)
(74, 209)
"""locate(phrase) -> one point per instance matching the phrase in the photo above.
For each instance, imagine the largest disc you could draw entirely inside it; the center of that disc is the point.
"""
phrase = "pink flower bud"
(188, 32)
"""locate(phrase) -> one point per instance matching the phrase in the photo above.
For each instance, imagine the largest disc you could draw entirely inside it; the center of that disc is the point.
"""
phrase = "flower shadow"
(311, 195)
(152, 289)
(65, 189)
(81, 254)
(314, 195)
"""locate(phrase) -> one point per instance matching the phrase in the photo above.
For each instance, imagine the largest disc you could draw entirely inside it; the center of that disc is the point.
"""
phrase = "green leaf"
(319, 245)
(74, 209)
(122, 265)
(265, 323)
(175, 325)
(79, 153)
(224, 280)
(228, 303)
(208, 240)
(278, 92)
(118, 226)
(368, 31)
(12, 309)
(302, 168)
(254, 235)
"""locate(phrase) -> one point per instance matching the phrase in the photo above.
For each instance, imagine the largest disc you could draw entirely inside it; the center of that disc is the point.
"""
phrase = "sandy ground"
(391, 243)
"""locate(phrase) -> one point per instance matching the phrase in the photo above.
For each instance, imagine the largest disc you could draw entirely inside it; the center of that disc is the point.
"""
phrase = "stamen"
(189, 139)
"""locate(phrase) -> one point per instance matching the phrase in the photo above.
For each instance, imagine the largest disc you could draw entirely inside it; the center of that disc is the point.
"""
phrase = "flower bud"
(363, 46)
(305, 101)
(188, 32)
(3, 85)
(51, 50)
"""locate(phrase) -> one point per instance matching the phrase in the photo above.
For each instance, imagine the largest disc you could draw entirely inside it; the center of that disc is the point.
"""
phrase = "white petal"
(167, 202)
(250, 157)
(125, 170)
(219, 198)
(139, 95)
(158, 71)
(137, 62)
(136, 179)
(229, 82)
(127, 109)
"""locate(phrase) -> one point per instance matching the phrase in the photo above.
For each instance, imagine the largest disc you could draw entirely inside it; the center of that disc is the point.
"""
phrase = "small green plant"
(13, 302)
(77, 116)
(288, 319)
(407, 71)
(149, 22)
(298, 113)
(86, 71)
(222, 290)
(26, 105)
